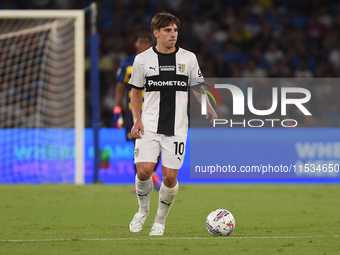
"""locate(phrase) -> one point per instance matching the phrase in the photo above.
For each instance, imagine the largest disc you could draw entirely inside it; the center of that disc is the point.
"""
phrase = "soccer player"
(164, 72)
(143, 41)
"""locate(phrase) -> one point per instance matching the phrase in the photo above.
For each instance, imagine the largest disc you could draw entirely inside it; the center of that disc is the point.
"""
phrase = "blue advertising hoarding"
(26, 160)
(265, 155)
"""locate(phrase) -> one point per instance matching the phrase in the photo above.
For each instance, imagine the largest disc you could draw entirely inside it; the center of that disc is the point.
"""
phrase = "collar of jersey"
(156, 51)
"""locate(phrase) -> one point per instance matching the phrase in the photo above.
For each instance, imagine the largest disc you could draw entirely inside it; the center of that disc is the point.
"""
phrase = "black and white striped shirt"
(165, 79)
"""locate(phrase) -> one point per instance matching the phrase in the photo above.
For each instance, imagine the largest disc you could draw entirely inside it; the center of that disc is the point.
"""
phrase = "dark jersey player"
(164, 73)
(124, 118)
(142, 42)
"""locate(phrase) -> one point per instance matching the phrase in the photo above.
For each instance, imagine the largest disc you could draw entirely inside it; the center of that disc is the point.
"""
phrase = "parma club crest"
(181, 67)
(136, 152)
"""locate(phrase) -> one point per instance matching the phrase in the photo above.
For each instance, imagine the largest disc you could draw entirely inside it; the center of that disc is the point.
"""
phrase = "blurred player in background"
(165, 73)
(123, 118)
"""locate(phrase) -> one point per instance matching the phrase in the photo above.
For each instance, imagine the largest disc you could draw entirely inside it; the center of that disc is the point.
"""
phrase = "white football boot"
(136, 225)
(157, 229)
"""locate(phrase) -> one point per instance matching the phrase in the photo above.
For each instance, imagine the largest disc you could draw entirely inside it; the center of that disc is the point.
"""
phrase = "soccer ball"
(220, 222)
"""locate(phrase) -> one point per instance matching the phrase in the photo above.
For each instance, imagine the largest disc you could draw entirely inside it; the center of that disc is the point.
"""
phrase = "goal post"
(54, 75)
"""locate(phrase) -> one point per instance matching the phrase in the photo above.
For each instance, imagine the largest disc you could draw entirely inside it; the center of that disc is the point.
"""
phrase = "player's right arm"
(136, 108)
(137, 83)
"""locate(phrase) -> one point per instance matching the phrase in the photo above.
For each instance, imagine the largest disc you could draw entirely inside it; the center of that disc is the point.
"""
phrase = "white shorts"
(172, 149)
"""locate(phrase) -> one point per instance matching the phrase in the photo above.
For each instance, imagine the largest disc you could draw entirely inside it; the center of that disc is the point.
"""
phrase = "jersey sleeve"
(121, 72)
(137, 75)
(195, 74)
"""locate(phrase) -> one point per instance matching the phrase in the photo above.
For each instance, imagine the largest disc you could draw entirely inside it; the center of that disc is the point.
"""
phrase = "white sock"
(143, 191)
(166, 199)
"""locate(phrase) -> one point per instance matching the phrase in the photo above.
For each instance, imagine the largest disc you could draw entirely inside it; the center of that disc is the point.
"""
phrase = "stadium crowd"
(233, 38)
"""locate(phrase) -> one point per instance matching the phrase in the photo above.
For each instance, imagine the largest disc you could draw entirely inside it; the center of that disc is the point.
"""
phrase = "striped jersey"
(165, 79)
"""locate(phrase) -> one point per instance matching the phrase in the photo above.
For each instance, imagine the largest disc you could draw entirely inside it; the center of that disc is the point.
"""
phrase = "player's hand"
(211, 111)
(117, 117)
(137, 129)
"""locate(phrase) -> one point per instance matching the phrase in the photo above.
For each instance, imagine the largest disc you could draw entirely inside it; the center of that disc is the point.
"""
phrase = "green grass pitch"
(94, 219)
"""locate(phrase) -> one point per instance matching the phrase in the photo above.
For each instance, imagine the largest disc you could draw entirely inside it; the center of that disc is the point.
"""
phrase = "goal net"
(40, 115)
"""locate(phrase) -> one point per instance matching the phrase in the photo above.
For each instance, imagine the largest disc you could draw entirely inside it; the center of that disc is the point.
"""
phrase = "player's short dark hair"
(163, 19)
(143, 34)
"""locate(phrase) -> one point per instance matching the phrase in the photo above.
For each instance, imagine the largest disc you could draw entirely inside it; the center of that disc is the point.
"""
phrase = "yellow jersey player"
(124, 118)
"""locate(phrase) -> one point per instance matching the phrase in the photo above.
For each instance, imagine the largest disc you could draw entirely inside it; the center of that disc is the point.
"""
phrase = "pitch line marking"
(168, 238)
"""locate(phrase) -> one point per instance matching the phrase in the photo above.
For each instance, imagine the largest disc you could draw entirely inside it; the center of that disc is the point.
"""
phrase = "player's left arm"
(196, 78)
(210, 110)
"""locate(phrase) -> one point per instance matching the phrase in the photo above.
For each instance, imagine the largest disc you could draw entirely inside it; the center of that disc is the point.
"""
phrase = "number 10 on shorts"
(179, 148)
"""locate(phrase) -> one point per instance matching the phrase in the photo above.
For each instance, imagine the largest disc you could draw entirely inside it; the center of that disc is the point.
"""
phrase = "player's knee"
(143, 175)
(170, 180)
(143, 172)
